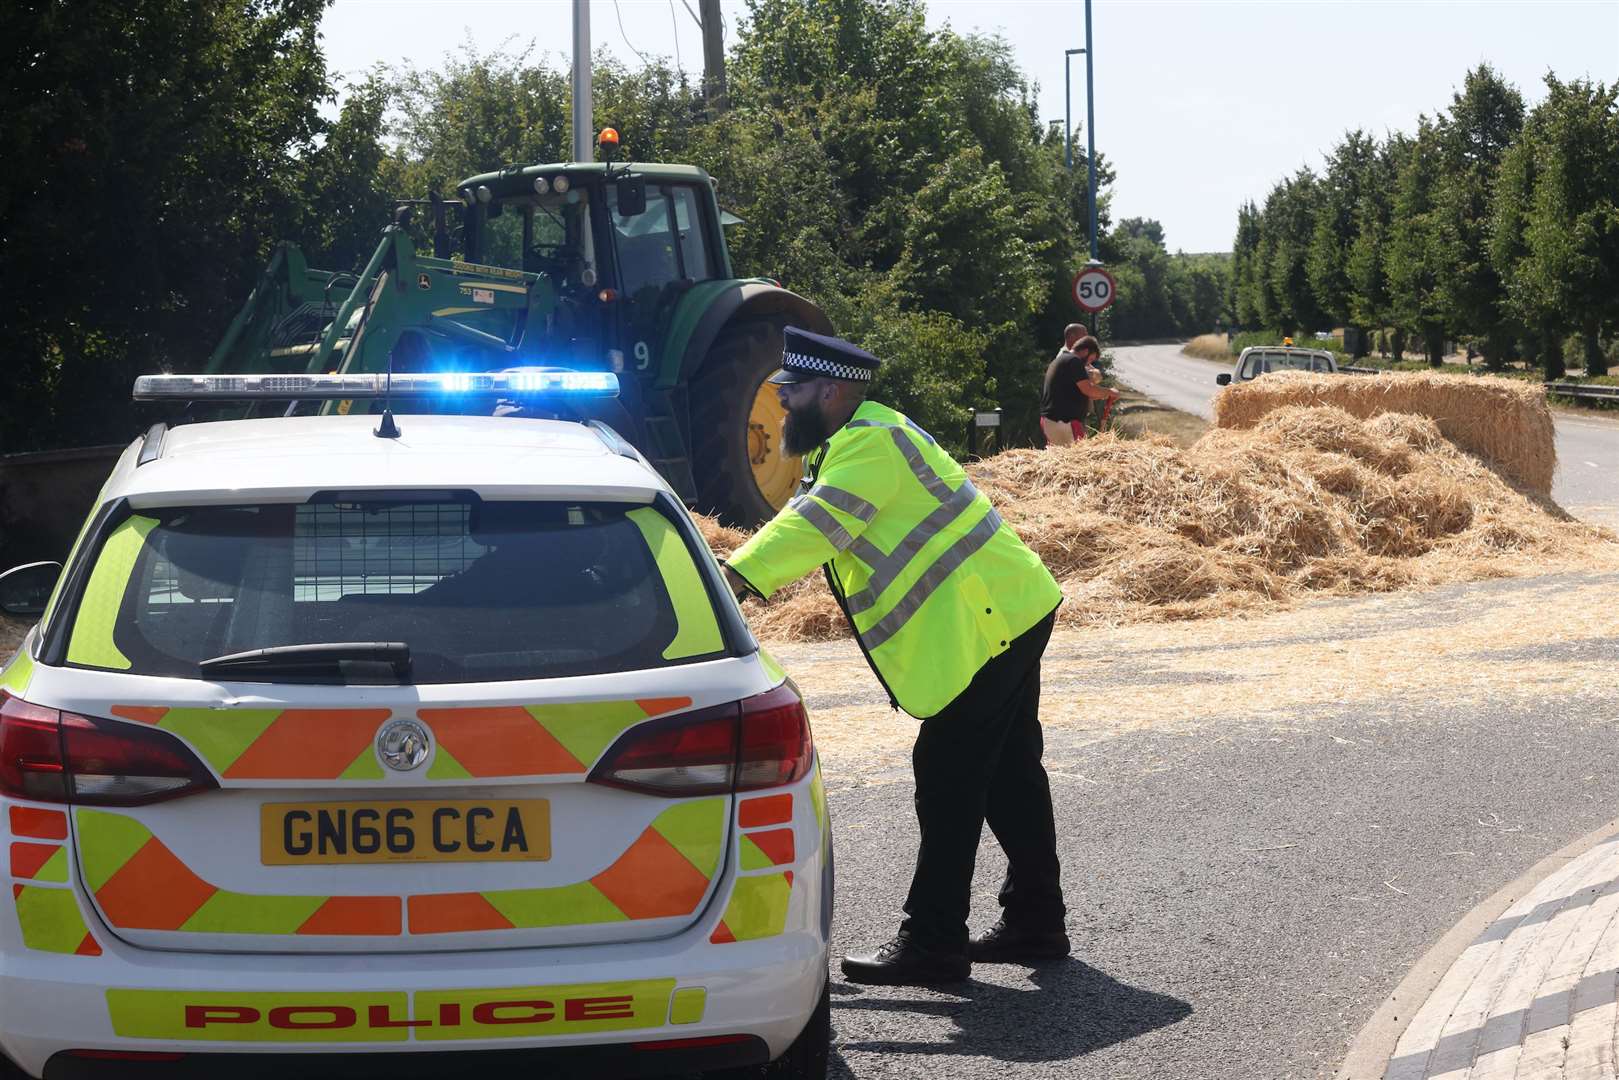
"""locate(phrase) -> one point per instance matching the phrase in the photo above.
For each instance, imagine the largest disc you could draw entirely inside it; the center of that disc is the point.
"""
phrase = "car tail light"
(776, 746)
(57, 756)
(760, 742)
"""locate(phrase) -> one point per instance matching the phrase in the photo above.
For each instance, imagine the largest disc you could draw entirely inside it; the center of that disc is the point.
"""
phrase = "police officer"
(953, 613)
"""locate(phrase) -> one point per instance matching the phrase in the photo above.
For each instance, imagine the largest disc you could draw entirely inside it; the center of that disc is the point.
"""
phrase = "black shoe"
(902, 962)
(1004, 944)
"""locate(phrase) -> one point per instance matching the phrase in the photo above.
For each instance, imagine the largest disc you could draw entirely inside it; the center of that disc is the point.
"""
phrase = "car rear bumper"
(597, 1009)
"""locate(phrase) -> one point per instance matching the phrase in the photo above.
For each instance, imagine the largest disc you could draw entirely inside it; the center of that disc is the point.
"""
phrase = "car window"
(480, 591)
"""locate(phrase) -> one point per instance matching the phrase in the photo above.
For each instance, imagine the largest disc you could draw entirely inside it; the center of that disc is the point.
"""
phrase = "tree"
(1289, 222)
(1413, 257)
(156, 151)
(1555, 230)
(1482, 122)
(1369, 302)
(1342, 189)
(1247, 299)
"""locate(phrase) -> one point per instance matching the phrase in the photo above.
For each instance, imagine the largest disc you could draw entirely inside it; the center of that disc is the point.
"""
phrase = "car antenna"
(387, 429)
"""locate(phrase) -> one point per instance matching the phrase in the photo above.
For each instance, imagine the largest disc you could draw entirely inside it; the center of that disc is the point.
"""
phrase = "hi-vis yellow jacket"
(934, 582)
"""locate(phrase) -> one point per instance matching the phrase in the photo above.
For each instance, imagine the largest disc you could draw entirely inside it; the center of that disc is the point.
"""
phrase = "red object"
(43, 752)
(760, 742)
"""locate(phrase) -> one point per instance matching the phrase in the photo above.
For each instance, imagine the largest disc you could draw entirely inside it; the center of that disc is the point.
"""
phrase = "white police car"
(338, 753)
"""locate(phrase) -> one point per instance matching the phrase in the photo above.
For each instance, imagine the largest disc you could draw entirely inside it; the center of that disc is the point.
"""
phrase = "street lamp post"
(1090, 117)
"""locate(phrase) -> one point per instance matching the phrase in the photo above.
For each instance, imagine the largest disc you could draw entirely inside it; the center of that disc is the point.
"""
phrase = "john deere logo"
(403, 745)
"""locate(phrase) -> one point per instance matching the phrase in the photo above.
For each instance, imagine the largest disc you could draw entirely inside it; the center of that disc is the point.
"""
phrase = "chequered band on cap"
(829, 368)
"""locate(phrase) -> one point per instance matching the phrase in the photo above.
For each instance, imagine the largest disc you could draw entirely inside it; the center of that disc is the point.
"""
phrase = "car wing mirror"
(631, 197)
(1224, 378)
(26, 589)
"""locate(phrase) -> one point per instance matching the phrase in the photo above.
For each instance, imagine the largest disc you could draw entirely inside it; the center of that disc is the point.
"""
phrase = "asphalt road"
(1241, 900)
(1587, 481)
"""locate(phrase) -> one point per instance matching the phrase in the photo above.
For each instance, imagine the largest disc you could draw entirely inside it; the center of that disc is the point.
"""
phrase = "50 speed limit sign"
(1094, 288)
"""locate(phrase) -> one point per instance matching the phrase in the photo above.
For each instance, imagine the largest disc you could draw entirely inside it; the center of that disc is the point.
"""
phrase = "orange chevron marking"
(153, 891)
(656, 706)
(40, 824)
(367, 915)
(777, 844)
(308, 744)
(722, 935)
(771, 810)
(652, 880)
(146, 714)
(448, 913)
(88, 947)
(26, 859)
(501, 740)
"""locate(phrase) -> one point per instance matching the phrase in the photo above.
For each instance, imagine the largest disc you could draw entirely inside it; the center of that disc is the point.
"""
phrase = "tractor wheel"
(742, 473)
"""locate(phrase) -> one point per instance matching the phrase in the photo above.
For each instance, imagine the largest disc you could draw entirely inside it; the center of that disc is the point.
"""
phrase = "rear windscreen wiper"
(340, 658)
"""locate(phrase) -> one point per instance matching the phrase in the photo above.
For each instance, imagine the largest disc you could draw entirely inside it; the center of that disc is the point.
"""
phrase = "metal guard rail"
(1594, 391)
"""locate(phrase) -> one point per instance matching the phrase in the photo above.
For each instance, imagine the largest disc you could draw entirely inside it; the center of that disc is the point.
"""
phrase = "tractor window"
(646, 250)
(693, 240)
(540, 234)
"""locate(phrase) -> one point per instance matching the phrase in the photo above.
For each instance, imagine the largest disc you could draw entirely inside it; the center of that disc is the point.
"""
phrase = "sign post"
(1094, 290)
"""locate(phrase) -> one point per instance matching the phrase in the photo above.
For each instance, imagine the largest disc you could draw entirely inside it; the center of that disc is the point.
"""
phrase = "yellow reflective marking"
(17, 674)
(254, 1016)
(445, 767)
(238, 913)
(587, 728)
(468, 286)
(773, 670)
(818, 796)
(758, 906)
(50, 919)
(106, 843)
(55, 867)
(78, 542)
(91, 643)
(363, 767)
(687, 1005)
(578, 904)
(698, 630)
(752, 857)
(530, 1011)
(220, 736)
(443, 311)
(697, 830)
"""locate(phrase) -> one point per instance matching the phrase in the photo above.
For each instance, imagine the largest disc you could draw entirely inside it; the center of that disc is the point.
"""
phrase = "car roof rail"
(613, 440)
(152, 443)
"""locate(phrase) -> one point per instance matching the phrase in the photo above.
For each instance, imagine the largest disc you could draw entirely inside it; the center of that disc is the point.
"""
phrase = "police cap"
(806, 356)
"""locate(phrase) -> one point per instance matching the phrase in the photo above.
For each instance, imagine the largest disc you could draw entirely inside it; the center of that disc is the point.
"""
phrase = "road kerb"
(1373, 1050)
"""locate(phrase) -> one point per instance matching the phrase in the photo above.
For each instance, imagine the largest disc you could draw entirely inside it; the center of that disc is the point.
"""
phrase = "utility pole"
(1090, 121)
(713, 27)
(584, 138)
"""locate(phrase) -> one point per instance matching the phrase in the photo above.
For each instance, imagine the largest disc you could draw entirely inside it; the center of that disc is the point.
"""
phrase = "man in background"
(1072, 383)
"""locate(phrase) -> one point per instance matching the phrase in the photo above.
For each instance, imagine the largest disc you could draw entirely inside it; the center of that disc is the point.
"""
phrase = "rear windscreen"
(479, 591)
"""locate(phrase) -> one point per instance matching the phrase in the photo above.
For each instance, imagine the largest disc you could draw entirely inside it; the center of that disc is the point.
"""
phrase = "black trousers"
(978, 760)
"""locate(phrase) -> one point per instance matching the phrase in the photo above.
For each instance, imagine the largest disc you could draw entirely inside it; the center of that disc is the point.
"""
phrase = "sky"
(1200, 104)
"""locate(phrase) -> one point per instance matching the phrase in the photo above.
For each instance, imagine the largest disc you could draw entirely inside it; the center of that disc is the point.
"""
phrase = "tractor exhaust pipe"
(583, 130)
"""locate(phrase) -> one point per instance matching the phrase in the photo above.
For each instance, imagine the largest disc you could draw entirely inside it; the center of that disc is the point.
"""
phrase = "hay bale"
(1305, 501)
(1504, 422)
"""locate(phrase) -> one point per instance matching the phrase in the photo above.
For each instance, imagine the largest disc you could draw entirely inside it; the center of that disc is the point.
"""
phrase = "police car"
(350, 748)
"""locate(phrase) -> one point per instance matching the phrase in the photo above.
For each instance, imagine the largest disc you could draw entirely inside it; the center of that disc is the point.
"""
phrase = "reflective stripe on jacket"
(935, 583)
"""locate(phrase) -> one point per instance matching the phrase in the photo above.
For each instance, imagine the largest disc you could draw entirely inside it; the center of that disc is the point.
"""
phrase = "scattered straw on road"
(1306, 501)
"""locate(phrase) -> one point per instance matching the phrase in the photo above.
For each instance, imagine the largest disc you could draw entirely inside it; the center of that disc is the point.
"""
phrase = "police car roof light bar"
(530, 382)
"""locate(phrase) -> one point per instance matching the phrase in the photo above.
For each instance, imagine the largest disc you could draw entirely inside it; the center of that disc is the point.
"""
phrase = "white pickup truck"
(1257, 360)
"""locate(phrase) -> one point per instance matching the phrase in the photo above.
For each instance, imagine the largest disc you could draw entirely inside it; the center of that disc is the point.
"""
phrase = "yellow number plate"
(493, 830)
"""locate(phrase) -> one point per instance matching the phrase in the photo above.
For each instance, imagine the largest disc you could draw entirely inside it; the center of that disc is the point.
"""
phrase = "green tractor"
(588, 266)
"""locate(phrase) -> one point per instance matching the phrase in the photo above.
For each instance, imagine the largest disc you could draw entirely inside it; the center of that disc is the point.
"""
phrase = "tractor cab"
(618, 245)
(593, 266)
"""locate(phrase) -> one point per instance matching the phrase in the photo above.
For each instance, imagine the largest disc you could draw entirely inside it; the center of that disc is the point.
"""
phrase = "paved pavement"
(1587, 481)
(1535, 994)
(1242, 899)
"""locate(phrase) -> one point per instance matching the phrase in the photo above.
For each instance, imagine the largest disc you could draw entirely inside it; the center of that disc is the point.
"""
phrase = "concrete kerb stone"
(1524, 985)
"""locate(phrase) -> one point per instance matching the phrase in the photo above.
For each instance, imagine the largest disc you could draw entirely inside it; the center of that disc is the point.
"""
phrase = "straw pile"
(1503, 421)
(1306, 501)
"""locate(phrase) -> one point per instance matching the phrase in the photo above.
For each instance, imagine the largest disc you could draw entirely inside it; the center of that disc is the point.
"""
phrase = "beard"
(804, 429)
